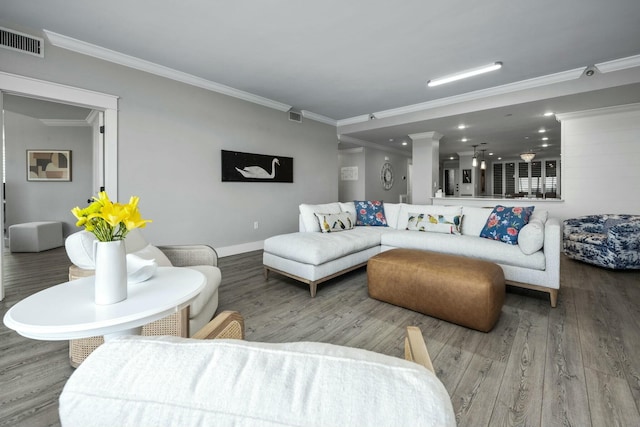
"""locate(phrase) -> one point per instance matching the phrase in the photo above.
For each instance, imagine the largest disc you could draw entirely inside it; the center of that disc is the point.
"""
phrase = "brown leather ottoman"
(466, 291)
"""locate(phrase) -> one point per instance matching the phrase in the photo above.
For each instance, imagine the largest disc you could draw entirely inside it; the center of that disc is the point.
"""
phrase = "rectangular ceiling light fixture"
(464, 74)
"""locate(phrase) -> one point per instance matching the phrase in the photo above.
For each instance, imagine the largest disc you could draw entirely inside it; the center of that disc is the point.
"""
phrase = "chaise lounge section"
(312, 256)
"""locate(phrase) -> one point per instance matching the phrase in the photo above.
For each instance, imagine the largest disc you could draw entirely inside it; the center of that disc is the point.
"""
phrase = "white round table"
(68, 311)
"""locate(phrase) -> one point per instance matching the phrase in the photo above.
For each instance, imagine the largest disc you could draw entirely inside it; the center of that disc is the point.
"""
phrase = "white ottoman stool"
(35, 236)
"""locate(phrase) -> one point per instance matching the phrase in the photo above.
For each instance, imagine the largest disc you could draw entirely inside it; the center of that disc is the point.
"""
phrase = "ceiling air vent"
(20, 42)
(295, 116)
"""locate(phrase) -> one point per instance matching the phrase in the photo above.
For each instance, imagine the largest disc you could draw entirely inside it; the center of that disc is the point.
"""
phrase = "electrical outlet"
(255, 225)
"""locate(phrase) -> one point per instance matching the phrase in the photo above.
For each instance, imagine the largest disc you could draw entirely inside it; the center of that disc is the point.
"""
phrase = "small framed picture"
(48, 165)
(466, 176)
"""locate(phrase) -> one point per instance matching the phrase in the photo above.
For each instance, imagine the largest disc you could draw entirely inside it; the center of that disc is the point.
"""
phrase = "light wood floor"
(577, 364)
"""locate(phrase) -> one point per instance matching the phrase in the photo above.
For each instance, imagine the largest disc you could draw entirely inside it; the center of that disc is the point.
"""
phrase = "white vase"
(111, 272)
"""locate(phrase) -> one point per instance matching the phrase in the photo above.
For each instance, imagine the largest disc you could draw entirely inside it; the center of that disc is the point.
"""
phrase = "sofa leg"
(313, 287)
(553, 294)
(266, 273)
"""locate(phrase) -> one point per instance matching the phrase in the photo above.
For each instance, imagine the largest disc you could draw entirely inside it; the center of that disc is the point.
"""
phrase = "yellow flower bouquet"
(110, 221)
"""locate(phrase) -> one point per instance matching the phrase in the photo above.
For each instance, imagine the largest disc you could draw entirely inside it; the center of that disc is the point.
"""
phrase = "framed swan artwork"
(248, 167)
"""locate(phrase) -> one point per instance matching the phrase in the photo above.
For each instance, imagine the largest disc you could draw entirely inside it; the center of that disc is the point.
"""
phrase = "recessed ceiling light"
(464, 140)
(499, 158)
(548, 113)
(390, 139)
(545, 145)
(464, 74)
(542, 130)
(491, 154)
(451, 158)
(546, 138)
(462, 126)
(404, 142)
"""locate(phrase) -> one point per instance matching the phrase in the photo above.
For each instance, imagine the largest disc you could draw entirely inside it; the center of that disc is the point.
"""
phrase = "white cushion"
(152, 252)
(540, 215)
(465, 246)
(406, 209)
(531, 237)
(318, 248)
(474, 220)
(135, 241)
(214, 277)
(347, 207)
(391, 212)
(140, 381)
(308, 212)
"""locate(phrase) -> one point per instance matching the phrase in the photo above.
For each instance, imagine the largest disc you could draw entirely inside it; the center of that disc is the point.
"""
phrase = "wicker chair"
(177, 324)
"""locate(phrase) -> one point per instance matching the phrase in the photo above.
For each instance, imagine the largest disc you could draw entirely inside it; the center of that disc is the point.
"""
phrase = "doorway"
(14, 84)
(450, 184)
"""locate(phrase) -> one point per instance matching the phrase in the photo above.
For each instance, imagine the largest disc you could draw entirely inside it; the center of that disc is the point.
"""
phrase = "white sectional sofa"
(312, 256)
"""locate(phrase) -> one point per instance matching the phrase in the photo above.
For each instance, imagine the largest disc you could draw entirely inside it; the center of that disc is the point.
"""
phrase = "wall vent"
(295, 116)
(20, 42)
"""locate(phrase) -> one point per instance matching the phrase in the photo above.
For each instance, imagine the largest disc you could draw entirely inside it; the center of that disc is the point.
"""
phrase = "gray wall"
(28, 201)
(352, 190)
(170, 136)
(374, 161)
(369, 186)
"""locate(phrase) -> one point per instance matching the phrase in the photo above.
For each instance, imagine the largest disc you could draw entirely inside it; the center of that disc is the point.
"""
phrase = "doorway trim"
(41, 89)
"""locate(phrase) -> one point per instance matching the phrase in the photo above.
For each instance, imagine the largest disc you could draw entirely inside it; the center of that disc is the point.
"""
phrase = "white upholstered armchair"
(185, 323)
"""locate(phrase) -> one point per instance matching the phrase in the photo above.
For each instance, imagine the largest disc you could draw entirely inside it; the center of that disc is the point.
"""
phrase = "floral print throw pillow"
(370, 212)
(505, 223)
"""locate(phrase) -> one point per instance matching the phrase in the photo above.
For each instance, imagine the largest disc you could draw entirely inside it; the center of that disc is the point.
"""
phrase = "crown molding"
(89, 49)
(434, 136)
(66, 123)
(319, 118)
(353, 120)
(619, 64)
(599, 112)
(41, 89)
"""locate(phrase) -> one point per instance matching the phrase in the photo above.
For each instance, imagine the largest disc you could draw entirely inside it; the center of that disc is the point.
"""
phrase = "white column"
(426, 166)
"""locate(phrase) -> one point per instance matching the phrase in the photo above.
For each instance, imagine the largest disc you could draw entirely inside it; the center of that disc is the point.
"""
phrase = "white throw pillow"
(539, 215)
(347, 206)
(434, 223)
(336, 222)
(152, 252)
(531, 237)
(475, 219)
(391, 212)
(307, 212)
(135, 241)
(406, 209)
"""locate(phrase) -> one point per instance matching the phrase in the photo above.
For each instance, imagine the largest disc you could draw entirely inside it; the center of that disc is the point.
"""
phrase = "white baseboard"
(240, 249)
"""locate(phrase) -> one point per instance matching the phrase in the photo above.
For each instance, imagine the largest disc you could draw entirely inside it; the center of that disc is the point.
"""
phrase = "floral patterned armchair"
(608, 240)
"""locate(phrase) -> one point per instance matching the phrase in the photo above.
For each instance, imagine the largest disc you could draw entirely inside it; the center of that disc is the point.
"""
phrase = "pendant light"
(483, 164)
(474, 161)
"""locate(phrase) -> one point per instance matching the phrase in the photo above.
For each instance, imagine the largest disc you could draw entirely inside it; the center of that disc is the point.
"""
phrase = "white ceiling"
(343, 60)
